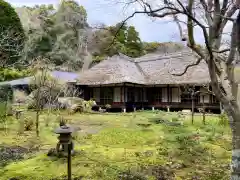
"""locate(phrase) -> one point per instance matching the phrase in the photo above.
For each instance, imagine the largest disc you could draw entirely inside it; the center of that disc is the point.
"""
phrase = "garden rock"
(12, 153)
(52, 152)
(68, 102)
(130, 176)
(76, 108)
(157, 120)
(160, 172)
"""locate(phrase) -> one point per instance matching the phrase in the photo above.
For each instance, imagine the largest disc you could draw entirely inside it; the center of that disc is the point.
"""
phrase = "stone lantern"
(65, 139)
(18, 114)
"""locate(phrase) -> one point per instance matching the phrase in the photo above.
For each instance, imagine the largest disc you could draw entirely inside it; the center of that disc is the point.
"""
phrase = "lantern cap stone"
(64, 130)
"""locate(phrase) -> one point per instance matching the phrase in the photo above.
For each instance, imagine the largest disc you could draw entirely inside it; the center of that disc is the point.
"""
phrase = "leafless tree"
(47, 90)
(211, 17)
(57, 88)
(43, 86)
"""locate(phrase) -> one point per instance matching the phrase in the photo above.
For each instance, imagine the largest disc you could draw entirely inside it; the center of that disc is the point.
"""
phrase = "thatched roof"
(117, 69)
(151, 69)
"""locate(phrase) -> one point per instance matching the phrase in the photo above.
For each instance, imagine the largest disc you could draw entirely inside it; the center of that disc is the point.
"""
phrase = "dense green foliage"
(7, 74)
(56, 34)
(63, 37)
(8, 17)
(6, 93)
(62, 34)
(114, 39)
(11, 34)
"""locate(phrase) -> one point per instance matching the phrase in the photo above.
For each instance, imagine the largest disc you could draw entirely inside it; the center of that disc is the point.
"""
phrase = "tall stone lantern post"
(65, 141)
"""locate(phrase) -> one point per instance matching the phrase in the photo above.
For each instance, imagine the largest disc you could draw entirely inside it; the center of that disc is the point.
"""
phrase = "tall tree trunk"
(37, 122)
(192, 108)
(204, 115)
(233, 111)
(236, 122)
(235, 151)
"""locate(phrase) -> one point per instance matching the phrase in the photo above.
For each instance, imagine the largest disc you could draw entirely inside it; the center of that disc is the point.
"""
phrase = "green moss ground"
(110, 144)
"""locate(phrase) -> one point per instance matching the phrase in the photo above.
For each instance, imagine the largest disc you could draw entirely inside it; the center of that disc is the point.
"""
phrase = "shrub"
(61, 121)
(76, 108)
(186, 141)
(6, 93)
(175, 119)
(7, 74)
(223, 120)
(19, 96)
(88, 105)
(3, 109)
(28, 124)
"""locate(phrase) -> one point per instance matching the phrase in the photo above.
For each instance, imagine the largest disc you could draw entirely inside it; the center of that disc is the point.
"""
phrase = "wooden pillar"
(124, 94)
(221, 108)
(179, 94)
(124, 98)
(121, 94)
(100, 95)
(168, 97)
(134, 90)
(204, 114)
(113, 92)
(169, 94)
(193, 104)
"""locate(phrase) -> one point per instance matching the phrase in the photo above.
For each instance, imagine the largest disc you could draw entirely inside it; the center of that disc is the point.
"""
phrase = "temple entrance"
(130, 95)
(130, 98)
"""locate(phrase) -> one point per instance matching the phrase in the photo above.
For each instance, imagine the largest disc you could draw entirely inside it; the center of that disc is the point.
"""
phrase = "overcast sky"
(101, 11)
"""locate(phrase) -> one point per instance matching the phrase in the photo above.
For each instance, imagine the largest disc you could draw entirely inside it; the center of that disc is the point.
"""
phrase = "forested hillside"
(63, 38)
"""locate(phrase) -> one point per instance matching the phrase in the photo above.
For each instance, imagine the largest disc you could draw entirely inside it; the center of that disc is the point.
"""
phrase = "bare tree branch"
(187, 67)
(207, 13)
(227, 15)
(233, 45)
(221, 51)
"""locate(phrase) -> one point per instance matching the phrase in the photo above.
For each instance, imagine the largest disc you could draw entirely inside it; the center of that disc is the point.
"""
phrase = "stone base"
(53, 153)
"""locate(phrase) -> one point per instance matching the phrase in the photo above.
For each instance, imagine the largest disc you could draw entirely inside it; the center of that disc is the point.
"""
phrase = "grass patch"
(114, 146)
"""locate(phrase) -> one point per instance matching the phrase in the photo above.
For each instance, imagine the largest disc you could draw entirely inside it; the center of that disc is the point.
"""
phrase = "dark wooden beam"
(124, 94)
(121, 93)
(168, 94)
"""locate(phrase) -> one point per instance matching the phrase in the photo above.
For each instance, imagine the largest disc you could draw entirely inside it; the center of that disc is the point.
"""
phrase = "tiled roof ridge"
(156, 56)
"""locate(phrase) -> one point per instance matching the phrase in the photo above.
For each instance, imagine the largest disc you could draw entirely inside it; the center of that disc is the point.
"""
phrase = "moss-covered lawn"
(117, 146)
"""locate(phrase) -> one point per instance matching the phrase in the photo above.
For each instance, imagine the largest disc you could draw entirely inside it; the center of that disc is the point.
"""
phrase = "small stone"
(52, 152)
